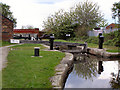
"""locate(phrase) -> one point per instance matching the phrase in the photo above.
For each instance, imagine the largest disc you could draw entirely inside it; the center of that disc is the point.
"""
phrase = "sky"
(34, 12)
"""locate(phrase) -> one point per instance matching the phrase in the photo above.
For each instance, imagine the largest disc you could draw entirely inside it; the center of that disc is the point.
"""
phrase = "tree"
(59, 24)
(87, 16)
(103, 24)
(116, 11)
(77, 21)
(5, 9)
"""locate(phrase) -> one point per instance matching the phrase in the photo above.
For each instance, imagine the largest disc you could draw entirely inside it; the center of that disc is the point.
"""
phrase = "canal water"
(93, 72)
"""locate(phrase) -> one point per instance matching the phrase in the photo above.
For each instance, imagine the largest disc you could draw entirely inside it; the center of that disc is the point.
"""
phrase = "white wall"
(96, 32)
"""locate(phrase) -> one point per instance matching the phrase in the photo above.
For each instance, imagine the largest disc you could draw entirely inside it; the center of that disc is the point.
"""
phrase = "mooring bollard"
(36, 51)
(37, 37)
(101, 40)
(51, 41)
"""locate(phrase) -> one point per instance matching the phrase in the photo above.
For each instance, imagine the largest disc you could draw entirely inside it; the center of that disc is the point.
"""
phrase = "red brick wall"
(32, 31)
(7, 29)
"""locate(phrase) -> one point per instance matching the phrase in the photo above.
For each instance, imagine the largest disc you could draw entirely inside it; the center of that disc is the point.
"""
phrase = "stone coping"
(62, 71)
(102, 53)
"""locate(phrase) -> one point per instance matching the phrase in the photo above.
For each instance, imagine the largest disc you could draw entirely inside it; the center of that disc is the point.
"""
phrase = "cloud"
(46, 2)
(34, 12)
(105, 8)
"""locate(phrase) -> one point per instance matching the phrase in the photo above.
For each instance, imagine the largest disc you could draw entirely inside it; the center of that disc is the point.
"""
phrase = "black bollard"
(36, 51)
(101, 40)
(51, 42)
(37, 37)
(29, 38)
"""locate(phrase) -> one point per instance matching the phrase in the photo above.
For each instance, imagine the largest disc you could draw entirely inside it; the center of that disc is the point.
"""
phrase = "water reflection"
(100, 67)
(85, 67)
(115, 80)
(92, 72)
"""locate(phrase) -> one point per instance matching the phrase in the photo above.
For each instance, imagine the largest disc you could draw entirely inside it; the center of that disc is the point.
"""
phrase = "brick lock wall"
(7, 29)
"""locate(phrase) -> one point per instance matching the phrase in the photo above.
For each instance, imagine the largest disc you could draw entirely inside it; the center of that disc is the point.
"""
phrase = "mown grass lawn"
(24, 71)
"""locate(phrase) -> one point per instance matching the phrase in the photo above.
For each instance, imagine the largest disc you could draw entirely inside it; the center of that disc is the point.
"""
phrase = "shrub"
(112, 38)
(109, 42)
(92, 40)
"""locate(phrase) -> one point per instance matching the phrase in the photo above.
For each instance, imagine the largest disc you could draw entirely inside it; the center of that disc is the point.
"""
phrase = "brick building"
(27, 32)
(7, 28)
(112, 26)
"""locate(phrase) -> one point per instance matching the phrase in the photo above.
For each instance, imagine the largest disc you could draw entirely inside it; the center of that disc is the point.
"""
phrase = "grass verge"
(24, 71)
(5, 43)
(113, 51)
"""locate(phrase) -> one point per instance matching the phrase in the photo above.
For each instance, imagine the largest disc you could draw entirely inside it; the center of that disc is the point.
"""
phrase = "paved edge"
(62, 71)
(102, 53)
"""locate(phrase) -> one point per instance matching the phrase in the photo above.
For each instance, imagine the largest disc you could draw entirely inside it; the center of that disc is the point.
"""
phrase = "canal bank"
(66, 65)
(100, 54)
(62, 71)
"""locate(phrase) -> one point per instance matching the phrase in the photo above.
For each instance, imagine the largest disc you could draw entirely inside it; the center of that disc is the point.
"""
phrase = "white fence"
(96, 32)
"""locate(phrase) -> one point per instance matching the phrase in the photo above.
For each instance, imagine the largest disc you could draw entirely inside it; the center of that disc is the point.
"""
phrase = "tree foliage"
(77, 21)
(5, 10)
(103, 24)
(116, 11)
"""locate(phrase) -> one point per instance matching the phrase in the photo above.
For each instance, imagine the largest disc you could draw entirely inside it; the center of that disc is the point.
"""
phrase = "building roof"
(26, 30)
(112, 25)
